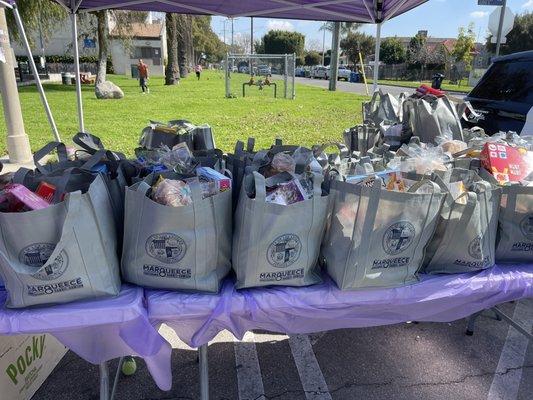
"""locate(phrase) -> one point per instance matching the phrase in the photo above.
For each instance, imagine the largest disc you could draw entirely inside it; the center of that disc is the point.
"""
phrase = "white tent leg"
(73, 19)
(33, 67)
(376, 55)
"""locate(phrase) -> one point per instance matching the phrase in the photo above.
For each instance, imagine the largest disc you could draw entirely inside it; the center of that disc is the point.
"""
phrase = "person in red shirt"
(198, 69)
(143, 76)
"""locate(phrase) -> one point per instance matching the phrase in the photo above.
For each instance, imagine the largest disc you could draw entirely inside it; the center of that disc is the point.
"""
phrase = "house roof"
(141, 30)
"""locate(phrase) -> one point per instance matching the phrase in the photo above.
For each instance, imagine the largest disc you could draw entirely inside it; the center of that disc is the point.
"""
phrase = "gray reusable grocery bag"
(61, 253)
(377, 237)
(515, 230)
(276, 244)
(430, 116)
(176, 248)
(465, 237)
(383, 107)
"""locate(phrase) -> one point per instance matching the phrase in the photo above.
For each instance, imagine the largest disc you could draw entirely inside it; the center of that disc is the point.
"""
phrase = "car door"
(504, 96)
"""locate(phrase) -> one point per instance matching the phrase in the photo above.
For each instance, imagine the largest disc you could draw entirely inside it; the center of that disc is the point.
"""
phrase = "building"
(145, 40)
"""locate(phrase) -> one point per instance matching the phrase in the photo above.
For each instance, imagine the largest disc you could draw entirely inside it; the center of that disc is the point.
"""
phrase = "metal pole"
(117, 377)
(251, 36)
(204, 373)
(33, 67)
(323, 45)
(73, 19)
(334, 63)
(226, 74)
(232, 35)
(500, 26)
(104, 381)
(376, 55)
(293, 74)
(18, 145)
(285, 76)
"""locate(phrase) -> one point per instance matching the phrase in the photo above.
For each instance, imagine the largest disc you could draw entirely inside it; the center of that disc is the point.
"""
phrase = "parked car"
(319, 72)
(275, 70)
(264, 70)
(504, 95)
(299, 71)
(344, 73)
(243, 69)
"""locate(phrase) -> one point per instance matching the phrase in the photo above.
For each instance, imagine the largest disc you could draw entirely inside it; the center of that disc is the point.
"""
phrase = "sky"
(442, 18)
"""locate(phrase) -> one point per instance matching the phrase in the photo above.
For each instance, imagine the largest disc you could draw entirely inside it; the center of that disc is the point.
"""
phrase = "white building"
(146, 41)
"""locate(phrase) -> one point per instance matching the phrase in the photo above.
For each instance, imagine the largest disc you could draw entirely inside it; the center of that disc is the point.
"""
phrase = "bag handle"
(46, 150)
(343, 150)
(97, 157)
(88, 142)
(435, 188)
(260, 187)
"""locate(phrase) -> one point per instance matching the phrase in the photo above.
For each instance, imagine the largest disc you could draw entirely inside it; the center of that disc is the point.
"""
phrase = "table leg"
(204, 373)
(471, 323)
(512, 322)
(117, 376)
(104, 381)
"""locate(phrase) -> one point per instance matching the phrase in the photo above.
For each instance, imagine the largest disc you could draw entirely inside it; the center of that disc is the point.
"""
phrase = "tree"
(38, 16)
(519, 39)
(416, 50)
(283, 42)
(184, 44)
(313, 58)
(356, 41)
(172, 71)
(206, 41)
(103, 46)
(259, 46)
(392, 51)
(346, 27)
(465, 46)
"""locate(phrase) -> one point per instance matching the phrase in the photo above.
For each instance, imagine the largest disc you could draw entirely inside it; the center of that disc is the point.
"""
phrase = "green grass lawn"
(315, 116)
(414, 84)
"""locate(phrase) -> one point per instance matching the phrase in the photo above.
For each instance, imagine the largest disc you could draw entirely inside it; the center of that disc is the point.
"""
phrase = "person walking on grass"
(143, 76)
(198, 69)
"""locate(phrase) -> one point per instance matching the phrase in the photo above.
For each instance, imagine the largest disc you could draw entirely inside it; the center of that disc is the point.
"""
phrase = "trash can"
(354, 77)
(66, 78)
(437, 81)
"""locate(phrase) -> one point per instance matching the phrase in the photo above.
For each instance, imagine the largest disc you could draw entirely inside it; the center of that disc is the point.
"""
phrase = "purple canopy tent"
(365, 11)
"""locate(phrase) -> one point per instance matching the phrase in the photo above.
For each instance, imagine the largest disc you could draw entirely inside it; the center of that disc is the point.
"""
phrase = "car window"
(507, 81)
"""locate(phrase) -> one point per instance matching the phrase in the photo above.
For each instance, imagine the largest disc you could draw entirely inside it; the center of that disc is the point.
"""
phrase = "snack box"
(506, 163)
(22, 198)
(222, 182)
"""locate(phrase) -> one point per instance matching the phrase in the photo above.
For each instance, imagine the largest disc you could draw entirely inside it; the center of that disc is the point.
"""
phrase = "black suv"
(504, 95)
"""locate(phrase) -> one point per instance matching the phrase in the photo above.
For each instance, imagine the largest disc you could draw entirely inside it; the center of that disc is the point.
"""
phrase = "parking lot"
(406, 361)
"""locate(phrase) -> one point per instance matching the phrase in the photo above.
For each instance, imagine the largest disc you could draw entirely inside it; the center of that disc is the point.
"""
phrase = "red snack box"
(23, 198)
(46, 191)
(506, 163)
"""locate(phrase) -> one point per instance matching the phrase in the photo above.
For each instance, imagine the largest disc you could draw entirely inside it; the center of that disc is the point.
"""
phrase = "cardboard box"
(25, 363)
(506, 163)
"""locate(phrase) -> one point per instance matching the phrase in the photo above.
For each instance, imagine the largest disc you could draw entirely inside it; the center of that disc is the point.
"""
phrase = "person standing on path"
(143, 76)
(198, 69)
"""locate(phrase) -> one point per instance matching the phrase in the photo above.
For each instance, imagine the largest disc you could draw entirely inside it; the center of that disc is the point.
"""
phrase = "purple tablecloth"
(197, 318)
(98, 330)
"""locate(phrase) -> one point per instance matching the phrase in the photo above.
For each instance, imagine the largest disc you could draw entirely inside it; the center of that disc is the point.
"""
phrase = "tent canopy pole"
(33, 67)
(73, 18)
(376, 55)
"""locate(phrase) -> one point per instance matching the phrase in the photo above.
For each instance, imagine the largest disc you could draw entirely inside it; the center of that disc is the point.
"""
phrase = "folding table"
(198, 318)
(98, 331)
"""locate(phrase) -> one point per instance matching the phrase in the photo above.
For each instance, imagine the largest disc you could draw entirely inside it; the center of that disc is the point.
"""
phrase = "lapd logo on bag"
(38, 254)
(398, 237)
(526, 226)
(474, 248)
(166, 247)
(284, 250)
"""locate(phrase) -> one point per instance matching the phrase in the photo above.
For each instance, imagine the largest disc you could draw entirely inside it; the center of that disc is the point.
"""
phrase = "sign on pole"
(490, 2)
(494, 21)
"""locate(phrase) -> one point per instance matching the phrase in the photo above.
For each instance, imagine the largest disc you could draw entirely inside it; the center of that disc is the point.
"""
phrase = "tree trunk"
(172, 70)
(182, 45)
(190, 38)
(103, 45)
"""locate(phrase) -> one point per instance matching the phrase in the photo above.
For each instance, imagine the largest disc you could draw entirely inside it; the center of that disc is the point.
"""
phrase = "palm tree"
(346, 27)
(172, 72)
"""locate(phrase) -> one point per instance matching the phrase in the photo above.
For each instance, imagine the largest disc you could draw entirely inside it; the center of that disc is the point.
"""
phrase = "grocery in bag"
(279, 222)
(379, 229)
(177, 231)
(62, 251)
(465, 237)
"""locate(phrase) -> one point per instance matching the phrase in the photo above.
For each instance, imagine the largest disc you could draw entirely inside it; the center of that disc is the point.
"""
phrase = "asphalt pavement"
(411, 361)
(359, 88)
